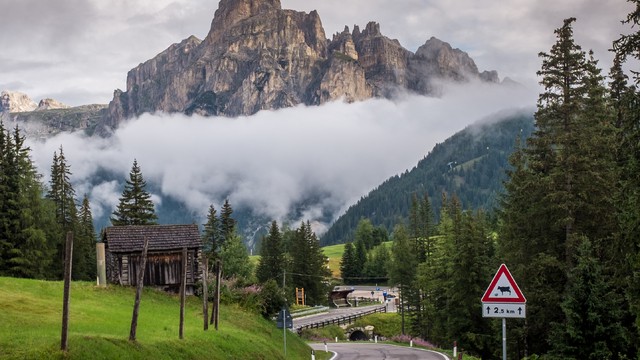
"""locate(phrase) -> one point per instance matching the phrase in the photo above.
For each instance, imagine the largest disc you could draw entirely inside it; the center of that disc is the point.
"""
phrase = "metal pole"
(504, 339)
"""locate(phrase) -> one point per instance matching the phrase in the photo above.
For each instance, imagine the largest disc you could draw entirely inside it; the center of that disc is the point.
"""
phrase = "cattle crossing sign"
(503, 299)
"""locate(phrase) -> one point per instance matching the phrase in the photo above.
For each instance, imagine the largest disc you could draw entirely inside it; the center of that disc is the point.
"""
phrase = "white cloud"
(274, 159)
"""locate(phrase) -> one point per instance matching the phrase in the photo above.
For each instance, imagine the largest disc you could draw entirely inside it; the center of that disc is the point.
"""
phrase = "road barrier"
(345, 319)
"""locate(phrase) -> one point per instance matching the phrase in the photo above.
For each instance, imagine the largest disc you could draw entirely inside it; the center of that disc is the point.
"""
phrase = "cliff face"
(258, 56)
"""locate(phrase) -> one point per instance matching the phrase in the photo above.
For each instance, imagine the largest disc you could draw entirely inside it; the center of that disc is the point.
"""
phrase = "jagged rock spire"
(232, 11)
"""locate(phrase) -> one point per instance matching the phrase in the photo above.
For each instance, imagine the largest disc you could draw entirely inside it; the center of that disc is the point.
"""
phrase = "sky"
(79, 51)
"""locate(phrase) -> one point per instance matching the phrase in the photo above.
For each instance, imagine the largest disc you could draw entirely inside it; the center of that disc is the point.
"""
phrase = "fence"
(345, 319)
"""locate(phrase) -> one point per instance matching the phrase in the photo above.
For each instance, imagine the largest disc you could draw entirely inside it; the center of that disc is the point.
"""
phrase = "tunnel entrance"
(358, 335)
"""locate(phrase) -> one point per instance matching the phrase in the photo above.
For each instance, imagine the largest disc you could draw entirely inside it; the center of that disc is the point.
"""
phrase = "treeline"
(34, 218)
(567, 225)
(471, 164)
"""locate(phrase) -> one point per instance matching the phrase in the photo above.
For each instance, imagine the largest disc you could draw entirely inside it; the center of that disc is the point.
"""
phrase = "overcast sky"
(79, 51)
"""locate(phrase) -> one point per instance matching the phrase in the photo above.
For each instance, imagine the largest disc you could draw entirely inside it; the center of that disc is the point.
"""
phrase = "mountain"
(48, 117)
(471, 164)
(258, 56)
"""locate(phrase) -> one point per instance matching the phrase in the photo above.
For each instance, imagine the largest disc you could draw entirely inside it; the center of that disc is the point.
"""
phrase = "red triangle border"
(520, 299)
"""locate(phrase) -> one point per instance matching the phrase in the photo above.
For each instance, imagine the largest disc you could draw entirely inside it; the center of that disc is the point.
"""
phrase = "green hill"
(470, 164)
(100, 318)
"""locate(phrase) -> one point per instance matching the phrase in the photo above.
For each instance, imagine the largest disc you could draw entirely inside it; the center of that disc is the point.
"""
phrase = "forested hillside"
(470, 164)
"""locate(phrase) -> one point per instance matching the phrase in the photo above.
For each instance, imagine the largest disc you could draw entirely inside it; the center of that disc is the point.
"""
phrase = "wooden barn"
(123, 245)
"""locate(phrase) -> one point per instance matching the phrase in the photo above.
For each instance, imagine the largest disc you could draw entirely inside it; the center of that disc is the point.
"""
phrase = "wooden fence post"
(205, 293)
(139, 285)
(183, 291)
(216, 308)
(64, 340)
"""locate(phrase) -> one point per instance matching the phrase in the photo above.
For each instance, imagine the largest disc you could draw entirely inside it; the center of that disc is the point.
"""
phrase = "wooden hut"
(123, 245)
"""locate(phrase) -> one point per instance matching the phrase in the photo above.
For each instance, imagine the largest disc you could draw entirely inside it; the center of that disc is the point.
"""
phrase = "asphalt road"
(369, 351)
(332, 314)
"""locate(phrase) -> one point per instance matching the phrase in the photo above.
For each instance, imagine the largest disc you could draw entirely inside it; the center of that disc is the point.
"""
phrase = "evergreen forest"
(556, 197)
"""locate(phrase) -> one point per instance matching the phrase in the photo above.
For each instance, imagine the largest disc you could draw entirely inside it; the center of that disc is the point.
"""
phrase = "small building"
(123, 247)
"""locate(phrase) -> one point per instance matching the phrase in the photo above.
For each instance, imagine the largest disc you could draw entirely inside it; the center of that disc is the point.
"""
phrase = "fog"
(272, 160)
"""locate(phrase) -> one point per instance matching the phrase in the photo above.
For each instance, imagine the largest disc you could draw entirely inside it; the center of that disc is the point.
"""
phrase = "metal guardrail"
(346, 319)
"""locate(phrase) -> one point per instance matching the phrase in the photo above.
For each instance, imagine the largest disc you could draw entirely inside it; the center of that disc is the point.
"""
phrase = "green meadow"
(100, 319)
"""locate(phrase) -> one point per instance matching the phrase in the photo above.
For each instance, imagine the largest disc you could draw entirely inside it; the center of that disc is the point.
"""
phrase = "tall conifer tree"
(135, 206)
(272, 258)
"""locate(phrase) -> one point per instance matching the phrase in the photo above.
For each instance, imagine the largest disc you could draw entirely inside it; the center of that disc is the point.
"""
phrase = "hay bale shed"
(123, 245)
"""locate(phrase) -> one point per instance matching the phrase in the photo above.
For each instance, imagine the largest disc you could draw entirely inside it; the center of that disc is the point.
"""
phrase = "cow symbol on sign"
(504, 289)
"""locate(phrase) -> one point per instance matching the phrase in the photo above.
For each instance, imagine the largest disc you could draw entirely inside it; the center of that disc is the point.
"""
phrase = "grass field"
(100, 318)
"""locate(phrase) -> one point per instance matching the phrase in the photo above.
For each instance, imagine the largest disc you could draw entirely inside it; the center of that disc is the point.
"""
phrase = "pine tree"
(403, 269)
(135, 206)
(211, 236)
(309, 265)
(26, 219)
(348, 266)
(592, 328)
(376, 268)
(62, 194)
(625, 100)
(272, 258)
(558, 189)
(84, 244)
(227, 223)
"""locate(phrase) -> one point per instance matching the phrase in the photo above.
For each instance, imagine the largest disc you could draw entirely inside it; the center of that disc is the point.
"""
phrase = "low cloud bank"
(273, 160)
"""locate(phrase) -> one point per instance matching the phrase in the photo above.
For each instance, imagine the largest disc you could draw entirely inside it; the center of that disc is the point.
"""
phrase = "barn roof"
(161, 237)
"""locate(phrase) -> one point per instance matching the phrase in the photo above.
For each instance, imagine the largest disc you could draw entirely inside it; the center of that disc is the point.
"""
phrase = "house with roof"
(123, 247)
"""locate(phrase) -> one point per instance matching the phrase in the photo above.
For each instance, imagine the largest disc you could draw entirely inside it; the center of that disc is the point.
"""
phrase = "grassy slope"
(31, 312)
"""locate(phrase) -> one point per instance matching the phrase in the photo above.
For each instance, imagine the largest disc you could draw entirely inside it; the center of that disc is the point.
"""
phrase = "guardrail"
(345, 319)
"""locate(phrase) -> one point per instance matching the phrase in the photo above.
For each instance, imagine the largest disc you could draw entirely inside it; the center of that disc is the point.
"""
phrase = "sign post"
(503, 299)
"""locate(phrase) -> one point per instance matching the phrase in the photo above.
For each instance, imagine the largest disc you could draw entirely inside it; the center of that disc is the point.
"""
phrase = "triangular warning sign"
(503, 289)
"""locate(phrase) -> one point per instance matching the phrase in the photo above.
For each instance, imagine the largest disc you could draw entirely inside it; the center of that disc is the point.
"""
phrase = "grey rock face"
(258, 56)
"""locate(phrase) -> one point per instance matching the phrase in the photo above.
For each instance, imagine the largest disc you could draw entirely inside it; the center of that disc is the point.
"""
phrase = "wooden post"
(205, 293)
(216, 307)
(64, 340)
(101, 265)
(139, 285)
(213, 305)
(183, 291)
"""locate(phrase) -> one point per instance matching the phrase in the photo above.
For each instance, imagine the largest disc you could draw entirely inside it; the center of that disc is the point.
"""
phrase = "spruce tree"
(348, 266)
(227, 223)
(84, 244)
(592, 328)
(559, 187)
(27, 221)
(272, 257)
(62, 194)
(211, 236)
(309, 265)
(402, 272)
(135, 206)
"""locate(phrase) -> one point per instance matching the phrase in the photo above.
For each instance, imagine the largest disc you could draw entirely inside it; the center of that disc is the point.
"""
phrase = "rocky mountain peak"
(446, 62)
(13, 101)
(231, 12)
(372, 29)
(258, 56)
(51, 104)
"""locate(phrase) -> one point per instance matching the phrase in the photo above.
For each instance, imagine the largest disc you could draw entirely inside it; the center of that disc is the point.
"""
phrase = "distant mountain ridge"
(258, 56)
(471, 164)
